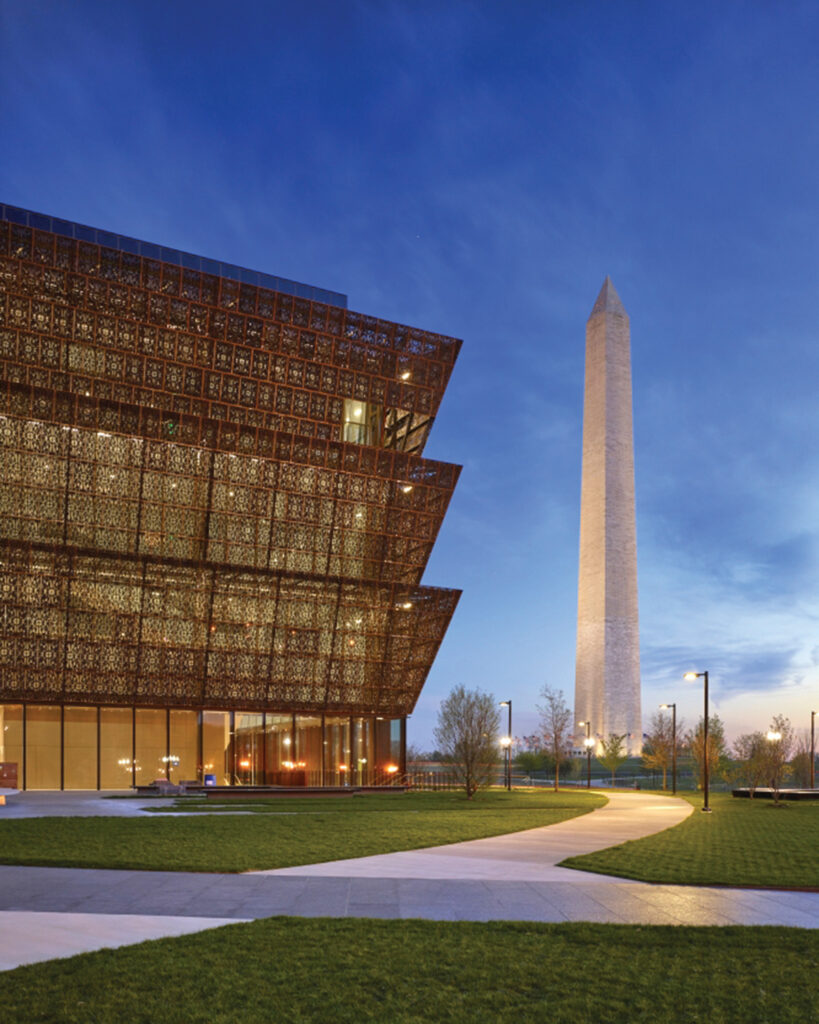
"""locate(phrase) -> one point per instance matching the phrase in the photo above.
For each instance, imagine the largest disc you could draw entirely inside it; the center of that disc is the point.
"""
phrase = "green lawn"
(290, 831)
(293, 970)
(742, 842)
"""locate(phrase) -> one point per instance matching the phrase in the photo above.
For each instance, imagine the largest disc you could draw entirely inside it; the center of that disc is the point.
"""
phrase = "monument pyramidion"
(607, 673)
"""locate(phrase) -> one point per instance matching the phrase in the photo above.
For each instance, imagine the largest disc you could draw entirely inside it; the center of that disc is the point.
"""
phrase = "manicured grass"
(742, 842)
(292, 971)
(304, 831)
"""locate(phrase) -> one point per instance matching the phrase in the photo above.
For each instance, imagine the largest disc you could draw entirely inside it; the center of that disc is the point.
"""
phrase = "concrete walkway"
(512, 877)
(28, 937)
(529, 856)
(78, 803)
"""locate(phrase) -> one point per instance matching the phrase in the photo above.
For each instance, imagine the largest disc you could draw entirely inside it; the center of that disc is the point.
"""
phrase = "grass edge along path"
(318, 830)
(747, 843)
(296, 970)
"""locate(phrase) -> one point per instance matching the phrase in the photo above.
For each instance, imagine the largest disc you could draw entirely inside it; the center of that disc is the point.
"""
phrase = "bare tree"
(557, 727)
(467, 735)
(800, 762)
(779, 743)
(414, 754)
(613, 753)
(751, 753)
(716, 748)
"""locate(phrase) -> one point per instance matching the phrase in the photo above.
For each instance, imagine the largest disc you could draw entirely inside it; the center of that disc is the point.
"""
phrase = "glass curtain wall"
(363, 752)
(309, 748)
(249, 743)
(150, 755)
(216, 748)
(116, 748)
(43, 746)
(396, 752)
(279, 756)
(337, 767)
(11, 745)
(80, 748)
(183, 754)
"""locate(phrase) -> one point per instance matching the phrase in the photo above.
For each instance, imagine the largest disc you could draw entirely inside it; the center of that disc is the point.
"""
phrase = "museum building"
(214, 519)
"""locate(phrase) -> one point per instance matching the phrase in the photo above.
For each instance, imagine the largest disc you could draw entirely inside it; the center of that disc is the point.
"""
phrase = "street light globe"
(588, 742)
(774, 736)
(690, 675)
(506, 741)
(581, 724)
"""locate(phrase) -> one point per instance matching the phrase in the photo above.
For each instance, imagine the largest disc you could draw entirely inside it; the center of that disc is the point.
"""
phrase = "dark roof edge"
(176, 257)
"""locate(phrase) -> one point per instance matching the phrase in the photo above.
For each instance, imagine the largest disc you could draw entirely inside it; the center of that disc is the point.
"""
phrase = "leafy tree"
(577, 766)
(467, 735)
(717, 760)
(529, 761)
(751, 756)
(556, 726)
(613, 753)
(778, 753)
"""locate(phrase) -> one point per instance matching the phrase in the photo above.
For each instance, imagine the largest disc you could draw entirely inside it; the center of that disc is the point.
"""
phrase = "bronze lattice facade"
(212, 490)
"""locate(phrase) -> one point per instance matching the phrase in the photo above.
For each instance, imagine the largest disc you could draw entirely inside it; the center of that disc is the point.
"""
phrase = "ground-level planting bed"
(396, 972)
(741, 842)
(291, 832)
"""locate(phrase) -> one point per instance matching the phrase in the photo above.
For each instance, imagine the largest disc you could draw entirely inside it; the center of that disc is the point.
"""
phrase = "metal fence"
(442, 777)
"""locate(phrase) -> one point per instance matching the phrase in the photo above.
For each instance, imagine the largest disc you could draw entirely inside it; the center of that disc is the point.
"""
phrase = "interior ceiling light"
(406, 488)
(357, 412)
(406, 375)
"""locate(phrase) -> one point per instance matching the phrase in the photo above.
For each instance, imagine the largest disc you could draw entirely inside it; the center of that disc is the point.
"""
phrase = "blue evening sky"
(477, 169)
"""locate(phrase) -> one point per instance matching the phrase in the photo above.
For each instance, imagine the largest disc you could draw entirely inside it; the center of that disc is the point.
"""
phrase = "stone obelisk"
(607, 673)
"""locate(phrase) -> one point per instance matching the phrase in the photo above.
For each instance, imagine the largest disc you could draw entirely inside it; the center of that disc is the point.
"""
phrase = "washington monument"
(607, 673)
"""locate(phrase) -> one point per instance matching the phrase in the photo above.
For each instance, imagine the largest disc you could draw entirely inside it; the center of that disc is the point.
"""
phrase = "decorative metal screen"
(181, 521)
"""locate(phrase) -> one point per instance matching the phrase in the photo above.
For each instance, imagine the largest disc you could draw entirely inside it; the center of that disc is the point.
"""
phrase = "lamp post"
(812, 752)
(588, 743)
(665, 707)
(508, 744)
(704, 677)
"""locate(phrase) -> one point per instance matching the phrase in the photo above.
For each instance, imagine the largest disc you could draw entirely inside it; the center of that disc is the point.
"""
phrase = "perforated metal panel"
(180, 521)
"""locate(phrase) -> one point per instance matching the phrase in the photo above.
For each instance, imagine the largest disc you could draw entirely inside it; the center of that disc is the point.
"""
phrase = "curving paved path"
(54, 912)
(530, 856)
